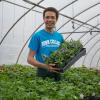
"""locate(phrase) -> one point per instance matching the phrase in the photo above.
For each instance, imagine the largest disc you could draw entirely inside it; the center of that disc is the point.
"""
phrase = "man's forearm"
(35, 63)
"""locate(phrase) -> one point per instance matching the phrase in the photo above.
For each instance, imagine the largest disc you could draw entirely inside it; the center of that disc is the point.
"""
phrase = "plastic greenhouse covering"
(78, 20)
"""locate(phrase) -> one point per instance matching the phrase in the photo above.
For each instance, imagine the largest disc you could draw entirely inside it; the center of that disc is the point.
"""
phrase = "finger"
(54, 71)
(52, 64)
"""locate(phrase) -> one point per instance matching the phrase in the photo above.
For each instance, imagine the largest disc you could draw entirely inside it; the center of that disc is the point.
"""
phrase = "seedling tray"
(77, 56)
(91, 98)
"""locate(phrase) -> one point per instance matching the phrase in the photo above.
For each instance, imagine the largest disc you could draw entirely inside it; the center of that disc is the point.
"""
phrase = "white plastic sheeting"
(79, 19)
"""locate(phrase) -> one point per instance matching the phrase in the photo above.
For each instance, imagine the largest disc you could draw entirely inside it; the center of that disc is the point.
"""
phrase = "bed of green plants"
(19, 82)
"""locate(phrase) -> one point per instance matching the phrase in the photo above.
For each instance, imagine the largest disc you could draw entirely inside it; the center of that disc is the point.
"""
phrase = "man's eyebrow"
(49, 16)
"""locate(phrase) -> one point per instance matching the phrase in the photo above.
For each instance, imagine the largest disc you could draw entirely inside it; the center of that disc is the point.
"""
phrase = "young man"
(43, 43)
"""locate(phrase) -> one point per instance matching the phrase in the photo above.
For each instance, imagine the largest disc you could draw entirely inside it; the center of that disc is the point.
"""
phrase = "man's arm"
(35, 63)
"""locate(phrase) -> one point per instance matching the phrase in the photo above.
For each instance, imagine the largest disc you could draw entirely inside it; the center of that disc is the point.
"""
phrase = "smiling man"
(43, 43)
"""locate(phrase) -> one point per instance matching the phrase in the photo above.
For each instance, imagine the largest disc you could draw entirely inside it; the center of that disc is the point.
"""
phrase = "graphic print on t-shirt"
(50, 43)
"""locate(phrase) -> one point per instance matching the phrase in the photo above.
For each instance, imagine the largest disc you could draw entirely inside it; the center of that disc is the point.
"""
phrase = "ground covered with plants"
(19, 82)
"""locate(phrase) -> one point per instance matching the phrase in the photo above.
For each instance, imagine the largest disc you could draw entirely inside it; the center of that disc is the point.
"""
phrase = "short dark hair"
(53, 10)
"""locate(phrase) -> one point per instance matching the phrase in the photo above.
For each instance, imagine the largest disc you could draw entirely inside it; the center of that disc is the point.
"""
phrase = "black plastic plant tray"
(74, 59)
(91, 98)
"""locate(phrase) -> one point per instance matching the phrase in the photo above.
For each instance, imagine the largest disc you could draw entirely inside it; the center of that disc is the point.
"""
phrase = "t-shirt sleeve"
(34, 42)
(62, 38)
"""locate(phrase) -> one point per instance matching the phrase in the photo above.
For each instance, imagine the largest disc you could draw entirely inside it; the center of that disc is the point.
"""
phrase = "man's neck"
(49, 30)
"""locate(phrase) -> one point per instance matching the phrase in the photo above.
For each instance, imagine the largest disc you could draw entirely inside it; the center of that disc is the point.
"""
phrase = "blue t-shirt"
(44, 43)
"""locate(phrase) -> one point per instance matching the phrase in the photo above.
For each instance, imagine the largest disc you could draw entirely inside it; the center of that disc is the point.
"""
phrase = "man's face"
(50, 19)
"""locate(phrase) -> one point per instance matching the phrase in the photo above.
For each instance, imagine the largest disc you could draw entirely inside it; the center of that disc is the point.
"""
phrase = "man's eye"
(50, 17)
(47, 17)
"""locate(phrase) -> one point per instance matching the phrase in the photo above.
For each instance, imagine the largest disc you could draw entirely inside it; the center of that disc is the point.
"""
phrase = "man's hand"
(52, 68)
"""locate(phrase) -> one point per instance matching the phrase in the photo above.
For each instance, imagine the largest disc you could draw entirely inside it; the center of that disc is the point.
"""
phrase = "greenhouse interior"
(79, 25)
